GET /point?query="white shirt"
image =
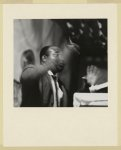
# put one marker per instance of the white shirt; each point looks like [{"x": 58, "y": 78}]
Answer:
[
  {"x": 94, "y": 88},
  {"x": 59, "y": 91}
]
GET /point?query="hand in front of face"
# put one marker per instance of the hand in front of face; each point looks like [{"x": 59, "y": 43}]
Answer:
[
  {"x": 50, "y": 64},
  {"x": 92, "y": 75}
]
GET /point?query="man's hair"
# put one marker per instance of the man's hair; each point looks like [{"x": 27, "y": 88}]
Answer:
[
  {"x": 29, "y": 55},
  {"x": 27, "y": 58},
  {"x": 44, "y": 51}
]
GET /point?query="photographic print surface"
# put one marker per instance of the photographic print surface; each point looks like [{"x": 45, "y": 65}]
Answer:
[{"x": 84, "y": 77}]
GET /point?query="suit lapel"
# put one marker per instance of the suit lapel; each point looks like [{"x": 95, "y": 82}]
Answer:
[{"x": 47, "y": 91}]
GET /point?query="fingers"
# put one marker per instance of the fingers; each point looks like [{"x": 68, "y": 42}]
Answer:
[
  {"x": 92, "y": 74},
  {"x": 95, "y": 70},
  {"x": 92, "y": 69},
  {"x": 88, "y": 69}
]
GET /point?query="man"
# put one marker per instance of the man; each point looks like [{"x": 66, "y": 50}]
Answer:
[
  {"x": 27, "y": 58},
  {"x": 40, "y": 86}
]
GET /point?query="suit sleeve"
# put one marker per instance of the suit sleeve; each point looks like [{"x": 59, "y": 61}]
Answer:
[{"x": 32, "y": 73}]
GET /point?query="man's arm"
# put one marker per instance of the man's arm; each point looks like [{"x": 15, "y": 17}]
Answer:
[{"x": 32, "y": 72}]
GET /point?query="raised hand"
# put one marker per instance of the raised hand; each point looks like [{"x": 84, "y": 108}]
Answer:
[{"x": 93, "y": 74}]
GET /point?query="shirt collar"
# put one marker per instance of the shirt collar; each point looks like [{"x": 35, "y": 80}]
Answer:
[{"x": 51, "y": 73}]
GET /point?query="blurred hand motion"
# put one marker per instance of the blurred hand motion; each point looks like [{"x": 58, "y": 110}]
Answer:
[
  {"x": 95, "y": 75},
  {"x": 92, "y": 75}
]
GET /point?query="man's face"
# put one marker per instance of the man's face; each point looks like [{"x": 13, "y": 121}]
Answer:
[{"x": 56, "y": 56}]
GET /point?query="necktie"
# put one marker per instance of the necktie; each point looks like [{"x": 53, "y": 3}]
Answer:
[{"x": 56, "y": 88}]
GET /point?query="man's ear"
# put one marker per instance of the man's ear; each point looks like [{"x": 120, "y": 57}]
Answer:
[{"x": 44, "y": 58}]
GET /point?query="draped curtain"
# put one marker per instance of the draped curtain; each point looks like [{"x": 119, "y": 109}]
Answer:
[{"x": 33, "y": 34}]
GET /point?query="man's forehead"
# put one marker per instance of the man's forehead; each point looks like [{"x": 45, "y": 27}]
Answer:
[{"x": 54, "y": 49}]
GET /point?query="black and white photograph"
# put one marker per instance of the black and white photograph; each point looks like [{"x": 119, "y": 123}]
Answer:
[
  {"x": 60, "y": 62},
  {"x": 60, "y": 75}
]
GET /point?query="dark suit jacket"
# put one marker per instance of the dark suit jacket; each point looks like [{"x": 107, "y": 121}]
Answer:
[{"x": 37, "y": 91}]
